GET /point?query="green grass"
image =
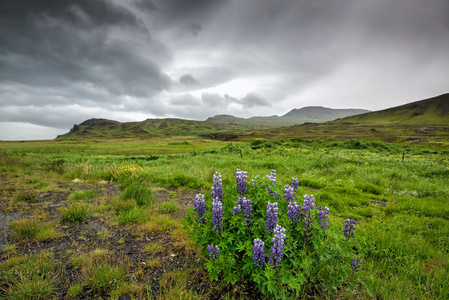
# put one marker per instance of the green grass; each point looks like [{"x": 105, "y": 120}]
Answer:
[
  {"x": 401, "y": 207},
  {"x": 33, "y": 277},
  {"x": 32, "y": 229},
  {"x": 76, "y": 212}
]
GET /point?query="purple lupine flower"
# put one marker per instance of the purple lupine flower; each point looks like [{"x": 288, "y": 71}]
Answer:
[
  {"x": 217, "y": 215},
  {"x": 349, "y": 228},
  {"x": 356, "y": 264},
  {"x": 217, "y": 188},
  {"x": 323, "y": 216},
  {"x": 309, "y": 203},
  {"x": 236, "y": 209},
  {"x": 272, "y": 217},
  {"x": 247, "y": 207},
  {"x": 295, "y": 183},
  {"x": 259, "y": 253},
  {"x": 214, "y": 251},
  {"x": 277, "y": 250},
  {"x": 289, "y": 193},
  {"x": 241, "y": 177},
  {"x": 294, "y": 212},
  {"x": 200, "y": 206},
  {"x": 272, "y": 177}
]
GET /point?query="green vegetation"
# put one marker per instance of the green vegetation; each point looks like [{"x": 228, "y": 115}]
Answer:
[
  {"x": 391, "y": 179},
  {"x": 76, "y": 212},
  {"x": 24, "y": 277}
]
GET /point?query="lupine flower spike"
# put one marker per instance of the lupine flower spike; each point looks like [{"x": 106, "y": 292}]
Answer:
[
  {"x": 214, "y": 251},
  {"x": 323, "y": 216},
  {"x": 272, "y": 217},
  {"x": 200, "y": 206},
  {"x": 217, "y": 188},
  {"x": 349, "y": 228},
  {"x": 294, "y": 212},
  {"x": 217, "y": 215},
  {"x": 289, "y": 193},
  {"x": 295, "y": 183},
  {"x": 241, "y": 177},
  {"x": 259, "y": 253},
  {"x": 277, "y": 251}
]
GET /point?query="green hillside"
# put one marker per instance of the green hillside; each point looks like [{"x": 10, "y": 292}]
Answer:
[{"x": 433, "y": 111}]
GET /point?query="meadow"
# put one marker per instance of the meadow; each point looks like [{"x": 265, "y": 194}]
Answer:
[{"x": 111, "y": 218}]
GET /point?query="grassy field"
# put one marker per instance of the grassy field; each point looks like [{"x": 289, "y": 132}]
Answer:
[{"x": 89, "y": 219}]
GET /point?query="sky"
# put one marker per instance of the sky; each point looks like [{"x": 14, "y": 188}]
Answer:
[{"x": 63, "y": 62}]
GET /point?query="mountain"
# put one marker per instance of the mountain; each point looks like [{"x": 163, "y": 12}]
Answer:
[
  {"x": 212, "y": 127},
  {"x": 432, "y": 111},
  {"x": 322, "y": 114},
  {"x": 315, "y": 114}
]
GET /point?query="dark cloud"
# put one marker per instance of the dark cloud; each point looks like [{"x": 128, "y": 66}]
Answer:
[
  {"x": 58, "y": 43},
  {"x": 253, "y": 100},
  {"x": 188, "y": 79}
]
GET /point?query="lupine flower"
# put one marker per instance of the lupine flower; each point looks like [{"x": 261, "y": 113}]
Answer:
[
  {"x": 236, "y": 209},
  {"x": 217, "y": 188},
  {"x": 241, "y": 177},
  {"x": 272, "y": 177},
  {"x": 356, "y": 264},
  {"x": 259, "y": 253},
  {"x": 349, "y": 228},
  {"x": 295, "y": 183},
  {"x": 200, "y": 206},
  {"x": 272, "y": 217},
  {"x": 277, "y": 251},
  {"x": 323, "y": 216},
  {"x": 247, "y": 207},
  {"x": 217, "y": 215},
  {"x": 289, "y": 193},
  {"x": 214, "y": 251},
  {"x": 309, "y": 203},
  {"x": 294, "y": 212}
]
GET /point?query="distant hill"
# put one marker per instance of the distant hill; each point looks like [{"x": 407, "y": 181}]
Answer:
[
  {"x": 432, "y": 111},
  {"x": 322, "y": 114},
  {"x": 217, "y": 125},
  {"x": 315, "y": 114}
]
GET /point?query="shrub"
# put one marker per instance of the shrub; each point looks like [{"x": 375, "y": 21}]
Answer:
[{"x": 285, "y": 248}]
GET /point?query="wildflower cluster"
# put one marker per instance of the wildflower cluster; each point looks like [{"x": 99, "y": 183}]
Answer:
[
  {"x": 217, "y": 188},
  {"x": 277, "y": 250},
  {"x": 349, "y": 228},
  {"x": 214, "y": 251},
  {"x": 294, "y": 212},
  {"x": 272, "y": 217},
  {"x": 241, "y": 177},
  {"x": 200, "y": 206},
  {"x": 217, "y": 215},
  {"x": 259, "y": 253},
  {"x": 308, "y": 246},
  {"x": 289, "y": 193}
]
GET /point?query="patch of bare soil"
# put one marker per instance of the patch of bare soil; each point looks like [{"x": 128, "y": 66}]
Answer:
[{"x": 122, "y": 241}]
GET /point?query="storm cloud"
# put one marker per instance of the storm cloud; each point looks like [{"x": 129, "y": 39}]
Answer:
[{"x": 62, "y": 61}]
